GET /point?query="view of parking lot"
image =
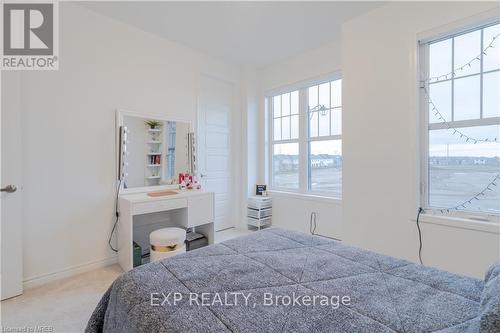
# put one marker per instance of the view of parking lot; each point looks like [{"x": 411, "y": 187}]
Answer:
[{"x": 452, "y": 180}]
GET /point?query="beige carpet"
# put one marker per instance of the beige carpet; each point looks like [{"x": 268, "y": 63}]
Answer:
[{"x": 67, "y": 304}]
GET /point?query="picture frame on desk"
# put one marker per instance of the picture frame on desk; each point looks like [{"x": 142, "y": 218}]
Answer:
[{"x": 260, "y": 189}]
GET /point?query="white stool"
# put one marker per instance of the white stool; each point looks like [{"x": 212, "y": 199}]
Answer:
[{"x": 166, "y": 242}]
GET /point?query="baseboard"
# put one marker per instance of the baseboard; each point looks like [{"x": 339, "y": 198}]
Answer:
[{"x": 42, "y": 279}]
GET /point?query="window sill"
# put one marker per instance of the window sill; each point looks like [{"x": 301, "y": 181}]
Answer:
[
  {"x": 461, "y": 223},
  {"x": 304, "y": 196}
]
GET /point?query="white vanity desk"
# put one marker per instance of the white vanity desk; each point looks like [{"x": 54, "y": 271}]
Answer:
[{"x": 140, "y": 214}]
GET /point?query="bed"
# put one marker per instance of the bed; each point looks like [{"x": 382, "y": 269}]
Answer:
[{"x": 251, "y": 284}]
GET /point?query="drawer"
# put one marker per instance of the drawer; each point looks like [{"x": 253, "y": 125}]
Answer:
[
  {"x": 201, "y": 210},
  {"x": 264, "y": 202},
  {"x": 259, "y": 222},
  {"x": 259, "y": 213},
  {"x": 158, "y": 206}
]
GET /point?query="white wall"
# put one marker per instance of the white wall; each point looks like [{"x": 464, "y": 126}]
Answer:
[
  {"x": 377, "y": 57},
  {"x": 380, "y": 139},
  {"x": 69, "y": 131},
  {"x": 293, "y": 211},
  {"x": 252, "y": 140},
  {"x": 309, "y": 65}
]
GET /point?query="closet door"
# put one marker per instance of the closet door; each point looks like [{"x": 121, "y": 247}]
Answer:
[{"x": 215, "y": 104}]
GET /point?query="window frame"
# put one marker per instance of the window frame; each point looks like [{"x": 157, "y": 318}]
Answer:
[
  {"x": 303, "y": 139},
  {"x": 425, "y": 127}
]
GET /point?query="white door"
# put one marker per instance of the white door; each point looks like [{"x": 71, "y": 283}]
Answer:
[
  {"x": 11, "y": 274},
  {"x": 215, "y": 103}
]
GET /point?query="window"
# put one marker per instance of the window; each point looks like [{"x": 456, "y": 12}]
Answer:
[
  {"x": 461, "y": 100},
  {"x": 285, "y": 110},
  {"x": 324, "y": 138},
  {"x": 306, "y": 142}
]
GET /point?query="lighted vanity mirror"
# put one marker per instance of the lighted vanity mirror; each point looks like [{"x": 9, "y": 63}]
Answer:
[{"x": 152, "y": 151}]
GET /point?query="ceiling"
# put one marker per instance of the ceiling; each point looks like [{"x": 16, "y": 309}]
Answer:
[{"x": 245, "y": 33}]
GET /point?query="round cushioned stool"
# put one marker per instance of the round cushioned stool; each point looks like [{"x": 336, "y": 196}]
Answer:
[{"x": 166, "y": 242}]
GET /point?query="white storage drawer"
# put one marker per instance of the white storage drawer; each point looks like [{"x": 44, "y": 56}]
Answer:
[
  {"x": 259, "y": 222},
  {"x": 256, "y": 202},
  {"x": 258, "y": 214},
  {"x": 158, "y": 206},
  {"x": 201, "y": 210}
]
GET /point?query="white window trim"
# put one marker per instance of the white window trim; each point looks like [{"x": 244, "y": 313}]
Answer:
[
  {"x": 303, "y": 140},
  {"x": 472, "y": 217}
]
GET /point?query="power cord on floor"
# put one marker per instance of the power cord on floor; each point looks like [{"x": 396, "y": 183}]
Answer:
[
  {"x": 420, "y": 210},
  {"x": 312, "y": 223},
  {"x": 117, "y": 215}
]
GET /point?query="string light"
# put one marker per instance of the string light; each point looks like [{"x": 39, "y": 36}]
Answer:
[
  {"x": 456, "y": 131},
  {"x": 478, "y": 196},
  {"x": 464, "y": 66}
]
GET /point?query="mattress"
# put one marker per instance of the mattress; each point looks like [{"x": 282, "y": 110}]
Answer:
[{"x": 277, "y": 280}]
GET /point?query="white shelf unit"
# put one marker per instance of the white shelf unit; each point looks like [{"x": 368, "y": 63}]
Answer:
[
  {"x": 259, "y": 211},
  {"x": 154, "y": 147}
]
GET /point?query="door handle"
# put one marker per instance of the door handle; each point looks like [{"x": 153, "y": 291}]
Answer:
[
  {"x": 9, "y": 189},
  {"x": 203, "y": 175}
]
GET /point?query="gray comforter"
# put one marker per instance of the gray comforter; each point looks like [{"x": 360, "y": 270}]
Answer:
[{"x": 277, "y": 280}]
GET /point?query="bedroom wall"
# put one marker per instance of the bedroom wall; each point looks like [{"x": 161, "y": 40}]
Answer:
[
  {"x": 380, "y": 140},
  {"x": 252, "y": 142},
  {"x": 69, "y": 132},
  {"x": 289, "y": 210}
]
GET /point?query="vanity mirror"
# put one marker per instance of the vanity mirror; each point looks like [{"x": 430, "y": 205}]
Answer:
[{"x": 152, "y": 151}]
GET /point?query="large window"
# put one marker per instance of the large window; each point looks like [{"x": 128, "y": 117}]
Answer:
[
  {"x": 324, "y": 138},
  {"x": 461, "y": 97},
  {"x": 285, "y": 110},
  {"x": 306, "y": 145}
]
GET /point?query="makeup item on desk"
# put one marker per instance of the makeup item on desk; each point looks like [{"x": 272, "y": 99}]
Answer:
[
  {"x": 196, "y": 183},
  {"x": 184, "y": 177}
]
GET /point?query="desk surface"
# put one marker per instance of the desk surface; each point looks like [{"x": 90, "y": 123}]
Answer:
[{"x": 143, "y": 197}]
